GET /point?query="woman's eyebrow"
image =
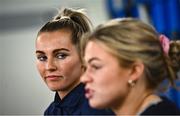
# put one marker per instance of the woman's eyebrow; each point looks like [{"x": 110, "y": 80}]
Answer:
[
  {"x": 92, "y": 59},
  {"x": 61, "y": 49},
  {"x": 39, "y": 51}
]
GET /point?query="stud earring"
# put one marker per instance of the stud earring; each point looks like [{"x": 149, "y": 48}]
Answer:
[{"x": 131, "y": 83}]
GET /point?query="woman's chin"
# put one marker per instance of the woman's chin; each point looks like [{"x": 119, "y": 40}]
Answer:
[
  {"x": 53, "y": 87},
  {"x": 97, "y": 105}
]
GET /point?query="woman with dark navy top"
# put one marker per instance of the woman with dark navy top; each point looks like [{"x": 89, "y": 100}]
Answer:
[{"x": 59, "y": 63}]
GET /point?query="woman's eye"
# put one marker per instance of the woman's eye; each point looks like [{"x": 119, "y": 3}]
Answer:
[
  {"x": 61, "y": 55},
  {"x": 95, "y": 67},
  {"x": 42, "y": 58}
]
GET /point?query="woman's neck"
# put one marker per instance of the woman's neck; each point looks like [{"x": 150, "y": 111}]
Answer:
[
  {"x": 134, "y": 105},
  {"x": 152, "y": 99},
  {"x": 135, "y": 101}
]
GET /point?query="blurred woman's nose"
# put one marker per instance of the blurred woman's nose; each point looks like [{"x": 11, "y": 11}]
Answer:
[
  {"x": 51, "y": 65},
  {"x": 86, "y": 78}
]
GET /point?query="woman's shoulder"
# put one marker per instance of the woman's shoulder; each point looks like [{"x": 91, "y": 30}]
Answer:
[{"x": 164, "y": 107}]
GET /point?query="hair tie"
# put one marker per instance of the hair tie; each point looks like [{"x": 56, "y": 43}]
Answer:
[
  {"x": 164, "y": 43},
  {"x": 65, "y": 17},
  {"x": 57, "y": 18}
]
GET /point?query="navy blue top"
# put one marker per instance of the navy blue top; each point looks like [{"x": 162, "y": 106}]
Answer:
[
  {"x": 74, "y": 103},
  {"x": 174, "y": 93},
  {"x": 164, "y": 107}
]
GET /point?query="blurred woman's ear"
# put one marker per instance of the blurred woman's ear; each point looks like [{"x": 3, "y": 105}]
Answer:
[{"x": 137, "y": 71}]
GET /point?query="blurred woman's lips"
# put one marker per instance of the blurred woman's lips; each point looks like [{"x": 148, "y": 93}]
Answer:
[{"x": 88, "y": 93}]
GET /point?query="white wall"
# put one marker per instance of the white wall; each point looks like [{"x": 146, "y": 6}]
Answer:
[
  {"x": 1, "y": 78},
  {"x": 22, "y": 92}
]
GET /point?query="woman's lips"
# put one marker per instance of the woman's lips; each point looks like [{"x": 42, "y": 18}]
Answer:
[
  {"x": 53, "y": 77},
  {"x": 89, "y": 93}
]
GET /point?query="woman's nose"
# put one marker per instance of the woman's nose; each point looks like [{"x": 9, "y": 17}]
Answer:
[
  {"x": 51, "y": 65},
  {"x": 86, "y": 78}
]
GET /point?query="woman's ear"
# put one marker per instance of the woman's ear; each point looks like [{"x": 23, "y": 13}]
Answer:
[{"x": 137, "y": 71}]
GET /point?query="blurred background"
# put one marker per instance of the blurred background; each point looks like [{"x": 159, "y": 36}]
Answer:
[{"x": 22, "y": 92}]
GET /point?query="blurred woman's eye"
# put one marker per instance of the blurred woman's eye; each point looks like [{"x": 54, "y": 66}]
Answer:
[
  {"x": 42, "y": 58},
  {"x": 95, "y": 67},
  {"x": 61, "y": 55}
]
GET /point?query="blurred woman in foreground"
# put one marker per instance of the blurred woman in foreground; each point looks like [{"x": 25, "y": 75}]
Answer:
[{"x": 125, "y": 63}]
